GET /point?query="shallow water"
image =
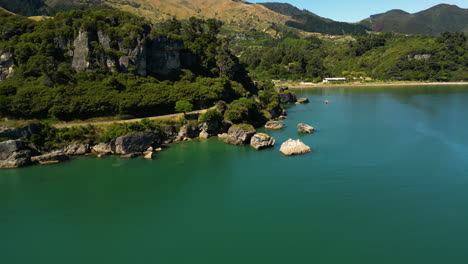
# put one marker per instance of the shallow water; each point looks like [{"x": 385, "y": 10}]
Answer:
[{"x": 387, "y": 183}]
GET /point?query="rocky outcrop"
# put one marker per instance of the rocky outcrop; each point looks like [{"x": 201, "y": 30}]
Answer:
[
  {"x": 240, "y": 134},
  {"x": 286, "y": 96},
  {"x": 302, "y": 101},
  {"x": 274, "y": 125},
  {"x": 261, "y": 140},
  {"x": 15, "y": 153},
  {"x": 303, "y": 128},
  {"x": 6, "y": 65},
  {"x": 134, "y": 143},
  {"x": 102, "y": 148},
  {"x": 188, "y": 132},
  {"x": 210, "y": 129},
  {"x": 50, "y": 158},
  {"x": 294, "y": 147},
  {"x": 82, "y": 51},
  {"x": 76, "y": 149},
  {"x": 21, "y": 132}
]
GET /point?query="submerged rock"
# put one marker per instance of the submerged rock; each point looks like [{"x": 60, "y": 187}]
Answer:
[
  {"x": 261, "y": 140},
  {"x": 303, "y": 128},
  {"x": 274, "y": 125},
  {"x": 294, "y": 147},
  {"x": 302, "y": 101},
  {"x": 240, "y": 134}
]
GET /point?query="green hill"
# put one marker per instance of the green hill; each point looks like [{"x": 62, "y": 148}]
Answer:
[
  {"x": 310, "y": 22},
  {"x": 433, "y": 21}
]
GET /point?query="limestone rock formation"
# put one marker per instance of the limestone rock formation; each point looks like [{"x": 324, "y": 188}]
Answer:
[
  {"x": 15, "y": 153},
  {"x": 21, "y": 132},
  {"x": 274, "y": 125},
  {"x": 261, "y": 140},
  {"x": 302, "y": 101},
  {"x": 134, "y": 143},
  {"x": 187, "y": 132},
  {"x": 6, "y": 64},
  {"x": 286, "y": 96},
  {"x": 303, "y": 128},
  {"x": 76, "y": 149},
  {"x": 294, "y": 147},
  {"x": 240, "y": 134},
  {"x": 49, "y": 158},
  {"x": 102, "y": 149}
]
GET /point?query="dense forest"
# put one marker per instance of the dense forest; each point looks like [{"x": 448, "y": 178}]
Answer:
[
  {"x": 46, "y": 83},
  {"x": 388, "y": 56}
]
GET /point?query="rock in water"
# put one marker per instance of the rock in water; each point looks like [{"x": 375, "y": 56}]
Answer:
[
  {"x": 148, "y": 155},
  {"x": 102, "y": 148},
  {"x": 76, "y": 149},
  {"x": 240, "y": 134},
  {"x": 302, "y": 101},
  {"x": 15, "y": 153},
  {"x": 261, "y": 140},
  {"x": 135, "y": 143},
  {"x": 294, "y": 147},
  {"x": 49, "y": 158},
  {"x": 274, "y": 125},
  {"x": 303, "y": 128}
]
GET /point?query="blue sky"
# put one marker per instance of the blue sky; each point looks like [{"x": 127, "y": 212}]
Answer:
[{"x": 356, "y": 10}]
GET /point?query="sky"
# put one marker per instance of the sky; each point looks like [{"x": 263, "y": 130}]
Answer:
[{"x": 357, "y": 10}]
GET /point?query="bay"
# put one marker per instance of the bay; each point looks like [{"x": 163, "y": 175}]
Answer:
[{"x": 386, "y": 183}]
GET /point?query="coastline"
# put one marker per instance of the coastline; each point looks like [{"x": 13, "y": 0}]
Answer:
[{"x": 375, "y": 84}]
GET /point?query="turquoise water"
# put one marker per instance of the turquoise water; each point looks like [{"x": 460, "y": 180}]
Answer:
[{"x": 387, "y": 183}]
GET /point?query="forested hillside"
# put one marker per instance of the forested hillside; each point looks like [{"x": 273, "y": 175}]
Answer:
[
  {"x": 84, "y": 64},
  {"x": 379, "y": 56},
  {"x": 310, "y": 22}
]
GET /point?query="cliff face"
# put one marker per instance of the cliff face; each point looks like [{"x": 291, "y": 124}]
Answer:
[
  {"x": 158, "y": 55},
  {"x": 6, "y": 64}
]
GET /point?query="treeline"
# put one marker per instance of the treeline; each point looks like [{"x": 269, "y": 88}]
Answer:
[
  {"x": 386, "y": 56},
  {"x": 46, "y": 86}
]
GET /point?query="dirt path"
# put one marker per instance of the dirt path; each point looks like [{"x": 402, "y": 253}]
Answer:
[{"x": 125, "y": 121}]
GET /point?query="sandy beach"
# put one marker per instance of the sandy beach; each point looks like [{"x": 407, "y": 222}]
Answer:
[{"x": 374, "y": 84}]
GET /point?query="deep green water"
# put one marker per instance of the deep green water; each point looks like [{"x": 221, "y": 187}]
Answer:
[{"x": 387, "y": 183}]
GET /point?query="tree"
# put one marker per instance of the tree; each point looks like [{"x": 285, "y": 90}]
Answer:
[{"x": 183, "y": 106}]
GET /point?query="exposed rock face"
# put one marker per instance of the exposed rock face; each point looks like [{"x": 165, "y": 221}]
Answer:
[
  {"x": 82, "y": 52},
  {"x": 76, "y": 149},
  {"x": 21, "y": 132},
  {"x": 187, "y": 132},
  {"x": 209, "y": 129},
  {"x": 6, "y": 64},
  {"x": 134, "y": 143},
  {"x": 15, "y": 153},
  {"x": 102, "y": 148},
  {"x": 170, "y": 133},
  {"x": 419, "y": 56},
  {"x": 53, "y": 157},
  {"x": 286, "y": 96},
  {"x": 302, "y": 101},
  {"x": 274, "y": 125},
  {"x": 303, "y": 128},
  {"x": 260, "y": 141},
  {"x": 240, "y": 134},
  {"x": 294, "y": 147}
]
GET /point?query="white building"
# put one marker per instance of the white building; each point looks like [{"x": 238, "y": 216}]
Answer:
[{"x": 326, "y": 80}]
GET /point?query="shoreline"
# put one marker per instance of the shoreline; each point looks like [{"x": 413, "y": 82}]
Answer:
[{"x": 376, "y": 84}]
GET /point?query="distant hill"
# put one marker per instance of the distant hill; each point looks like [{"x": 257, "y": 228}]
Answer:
[
  {"x": 310, "y": 22},
  {"x": 433, "y": 21}
]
